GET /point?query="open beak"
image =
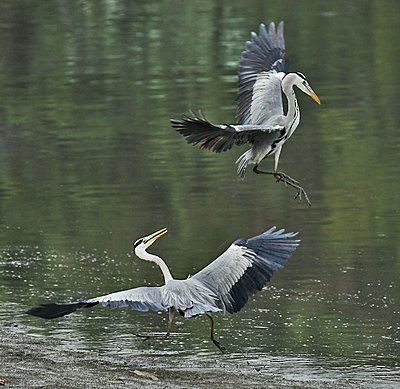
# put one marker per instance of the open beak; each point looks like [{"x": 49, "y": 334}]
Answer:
[{"x": 153, "y": 237}]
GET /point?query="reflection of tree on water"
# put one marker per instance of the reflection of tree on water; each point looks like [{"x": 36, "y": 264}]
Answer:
[{"x": 93, "y": 161}]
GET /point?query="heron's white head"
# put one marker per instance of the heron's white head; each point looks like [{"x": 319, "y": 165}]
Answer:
[
  {"x": 300, "y": 81},
  {"x": 140, "y": 246}
]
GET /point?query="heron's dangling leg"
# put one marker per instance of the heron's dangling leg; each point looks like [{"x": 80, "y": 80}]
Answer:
[
  {"x": 287, "y": 180},
  {"x": 218, "y": 344}
]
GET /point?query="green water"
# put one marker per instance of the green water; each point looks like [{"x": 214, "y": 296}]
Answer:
[{"x": 89, "y": 163}]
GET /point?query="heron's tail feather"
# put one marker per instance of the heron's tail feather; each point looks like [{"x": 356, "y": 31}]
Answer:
[
  {"x": 242, "y": 163},
  {"x": 51, "y": 311}
]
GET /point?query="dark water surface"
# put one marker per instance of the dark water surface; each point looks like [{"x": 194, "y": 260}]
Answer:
[{"x": 89, "y": 163}]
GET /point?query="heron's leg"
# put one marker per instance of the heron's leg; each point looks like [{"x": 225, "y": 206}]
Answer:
[
  {"x": 277, "y": 155},
  {"x": 218, "y": 344},
  {"x": 171, "y": 314},
  {"x": 287, "y": 180},
  {"x": 279, "y": 176}
]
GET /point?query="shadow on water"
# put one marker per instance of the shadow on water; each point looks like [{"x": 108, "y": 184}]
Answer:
[{"x": 89, "y": 163}]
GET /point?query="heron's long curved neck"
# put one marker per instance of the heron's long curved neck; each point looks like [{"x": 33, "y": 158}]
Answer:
[
  {"x": 163, "y": 266},
  {"x": 293, "y": 113}
]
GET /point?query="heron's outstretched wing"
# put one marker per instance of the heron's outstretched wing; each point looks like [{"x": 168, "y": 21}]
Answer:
[
  {"x": 144, "y": 298},
  {"x": 141, "y": 299},
  {"x": 262, "y": 66},
  {"x": 246, "y": 266},
  {"x": 218, "y": 137}
]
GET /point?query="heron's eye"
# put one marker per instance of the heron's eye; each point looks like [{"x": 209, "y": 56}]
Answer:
[{"x": 137, "y": 243}]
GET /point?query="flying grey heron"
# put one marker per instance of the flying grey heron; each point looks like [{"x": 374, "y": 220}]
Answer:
[
  {"x": 259, "y": 114},
  {"x": 223, "y": 286}
]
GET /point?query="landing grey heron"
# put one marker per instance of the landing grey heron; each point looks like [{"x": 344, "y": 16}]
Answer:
[
  {"x": 223, "y": 286},
  {"x": 259, "y": 114}
]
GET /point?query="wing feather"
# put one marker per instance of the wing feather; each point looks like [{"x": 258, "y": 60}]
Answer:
[
  {"x": 198, "y": 130},
  {"x": 141, "y": 299},
  {"x": 246, "y": 266},
  {"x": 262, "y": 66}
]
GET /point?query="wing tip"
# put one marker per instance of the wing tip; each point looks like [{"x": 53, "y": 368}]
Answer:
[
  {"x": 274, "y": 236},
  {"x": 280, "y": 232},
  {"x": 54, "y": 310}
]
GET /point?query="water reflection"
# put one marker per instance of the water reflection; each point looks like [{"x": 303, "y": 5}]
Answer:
[{"x": 89, "y": 163}]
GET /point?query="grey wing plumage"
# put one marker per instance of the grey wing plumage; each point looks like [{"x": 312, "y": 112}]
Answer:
[
  {"x": 214, "y": 137},
  {"x": 246, "y": 266},
  {"x": 262, "y": 66},
  {"x": 141, "y": 299},
  {"x": 144, "y": 298},
  {"x": 198, "y": 130}
]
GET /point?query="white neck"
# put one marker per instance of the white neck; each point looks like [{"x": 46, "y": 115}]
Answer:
[
  {"x": 143, "y": 254},
  {"x": 293, "y": 112}
]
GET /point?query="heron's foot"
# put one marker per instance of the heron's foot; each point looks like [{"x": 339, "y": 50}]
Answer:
[
  {"x": 280, "y": 176},
  {"x": 299, "y": 195},
  {"x": 149, "y": 337},
  {"x": 144, "y": 337},
  {"x": 219, "y": 345},
  {"x": 288, "y": 181}
]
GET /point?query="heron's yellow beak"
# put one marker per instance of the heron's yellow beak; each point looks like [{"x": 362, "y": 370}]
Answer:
[
  {"x": 315, "y": 97},
  {"x": 153, "y": 237}
]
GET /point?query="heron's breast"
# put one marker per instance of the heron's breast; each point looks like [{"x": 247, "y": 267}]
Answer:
[{"x": 268, "y": 145}]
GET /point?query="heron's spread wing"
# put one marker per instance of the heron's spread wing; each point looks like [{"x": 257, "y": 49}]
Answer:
[
  {"x": 141, "y": 299},
  {"x": 262, "y": 66},
  {"x": 246, "y": 266},
  {"x": 219, "y": 137},
  {"x": 145, "y": 298}
]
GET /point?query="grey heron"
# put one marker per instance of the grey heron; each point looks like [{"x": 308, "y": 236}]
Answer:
[
  {"x": 259, "y": 115},
  {"x": 223, "y": 286}
]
